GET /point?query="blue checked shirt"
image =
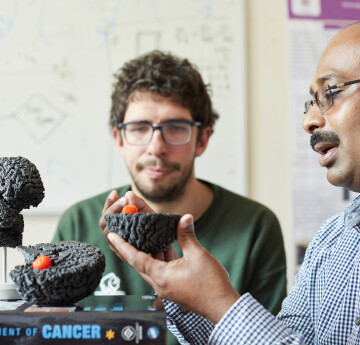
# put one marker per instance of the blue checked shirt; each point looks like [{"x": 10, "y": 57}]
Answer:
[{"x": 323, "y": 307}]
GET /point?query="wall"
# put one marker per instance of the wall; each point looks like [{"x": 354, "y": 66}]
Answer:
[
  {"x": 268, "y": 121},
  {"x": 268, "y": 127}
]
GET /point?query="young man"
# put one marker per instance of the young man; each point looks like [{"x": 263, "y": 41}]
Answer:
[
  {"x": 324, "y": 305},
  {"x": 161, "y": 119}
]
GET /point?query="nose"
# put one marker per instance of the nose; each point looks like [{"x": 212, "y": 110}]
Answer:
[
  {"x": 313, "y": 120},
  {"x": 157, "y": 146}
]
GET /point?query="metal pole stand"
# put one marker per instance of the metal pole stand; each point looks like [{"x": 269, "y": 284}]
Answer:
[{"x": 7, "y": 290}]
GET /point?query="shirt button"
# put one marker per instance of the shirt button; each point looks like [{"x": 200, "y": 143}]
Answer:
[{"x": 357, "y": 321}]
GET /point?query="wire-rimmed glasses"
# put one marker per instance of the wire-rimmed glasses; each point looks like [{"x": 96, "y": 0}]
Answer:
[{"x": 324, "y": 97}]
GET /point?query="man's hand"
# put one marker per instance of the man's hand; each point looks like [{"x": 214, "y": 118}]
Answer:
[
  {"x": 197, "y": 281},
  {"x": 115, "y": 205}
]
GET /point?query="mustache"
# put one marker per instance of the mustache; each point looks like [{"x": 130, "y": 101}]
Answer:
[
  {"x": 159, "y": 163},
  {"x": 323, "y": 137}
]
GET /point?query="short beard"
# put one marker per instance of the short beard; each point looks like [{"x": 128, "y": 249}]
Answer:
[{"x": 165, "y": 194}]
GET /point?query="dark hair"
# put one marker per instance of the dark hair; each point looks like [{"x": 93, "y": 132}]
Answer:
[{"x": 167, "y": 75}]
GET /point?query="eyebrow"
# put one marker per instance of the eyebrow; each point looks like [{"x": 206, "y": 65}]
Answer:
[{"x": 323, "y": 79}]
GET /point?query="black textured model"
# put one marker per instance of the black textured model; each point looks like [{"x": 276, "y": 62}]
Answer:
[
  {"x": 75, "y": 273},
  {"x": 20, "y": 187},
  {"x": 149, "y": 232}
]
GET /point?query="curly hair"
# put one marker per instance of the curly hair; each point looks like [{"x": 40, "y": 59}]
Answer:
[{"x": 168, "y": 76}]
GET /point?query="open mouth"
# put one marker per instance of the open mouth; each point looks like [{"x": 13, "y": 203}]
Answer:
[
  {"x": 327, "y": 144},
  {"x": 327, "y": 152},
  {"x": 325, "y": 148}
]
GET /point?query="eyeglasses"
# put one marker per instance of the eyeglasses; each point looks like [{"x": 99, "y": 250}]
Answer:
[
  {"x": 324, "y": 97},
  {"x": 174, "y": 132}
]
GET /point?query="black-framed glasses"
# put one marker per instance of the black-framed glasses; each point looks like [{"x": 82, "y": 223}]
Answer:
[
  {"x": 324, "y": 97},
  {"x": 173, "y": 132}
]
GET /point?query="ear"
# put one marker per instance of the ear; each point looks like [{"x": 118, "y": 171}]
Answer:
[
  {"x": 203, "y": 141},
  {"x": 117, "y": 137}
]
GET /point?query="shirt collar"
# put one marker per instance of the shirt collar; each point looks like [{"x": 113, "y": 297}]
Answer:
[{"x": 352, "y": 213}]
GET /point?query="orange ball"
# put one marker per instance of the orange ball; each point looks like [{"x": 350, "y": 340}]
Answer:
[
  {"x": 129, "y": 209},
  {"x": 41, "y": 262}
]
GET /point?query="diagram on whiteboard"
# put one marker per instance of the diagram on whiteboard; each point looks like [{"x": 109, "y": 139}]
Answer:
[{"x": 39, "y": 117}]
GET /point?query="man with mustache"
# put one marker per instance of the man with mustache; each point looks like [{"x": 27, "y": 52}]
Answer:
[
  {"x": 161, "y": 119},
  {"x": 323, "y": 307}
]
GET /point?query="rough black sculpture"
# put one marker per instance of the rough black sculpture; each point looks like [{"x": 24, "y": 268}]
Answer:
[
  {"x": 20, "y": 188},
  {"x": 75, "y": 273},
  {"x": 149, "y": 232}
]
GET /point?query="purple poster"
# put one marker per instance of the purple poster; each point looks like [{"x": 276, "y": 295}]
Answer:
[{"x": 325, "y": 9}]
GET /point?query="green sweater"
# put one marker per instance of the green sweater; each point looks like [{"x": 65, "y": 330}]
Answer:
[{"x": 242, "y": 234}]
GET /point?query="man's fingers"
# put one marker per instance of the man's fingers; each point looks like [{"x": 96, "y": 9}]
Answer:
[
  {"x": 105, "y": 231},
  {"x": 111, "y": 206},
  {"x": 117, "y": 206},
  {"x": 170, "y": 254},
  {"x": 113, "y": 196},
  {"x": 159, "y": 256},
  {"x": 186, "y": 234},
  {"x": 139, "y": 260},
  {"x": 133, "y": 199}
]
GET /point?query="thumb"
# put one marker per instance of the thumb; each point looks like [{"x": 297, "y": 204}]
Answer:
[{"x": 186, "y": 233}]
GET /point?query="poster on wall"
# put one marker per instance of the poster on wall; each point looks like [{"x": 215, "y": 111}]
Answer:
[{"x": 311, "y": 24}]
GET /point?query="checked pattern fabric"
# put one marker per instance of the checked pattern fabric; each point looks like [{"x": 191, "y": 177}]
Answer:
[{"x": 322, "y": 308}]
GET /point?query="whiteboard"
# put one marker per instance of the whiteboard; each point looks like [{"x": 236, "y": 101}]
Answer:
[{"x": 57, "y": 60}]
